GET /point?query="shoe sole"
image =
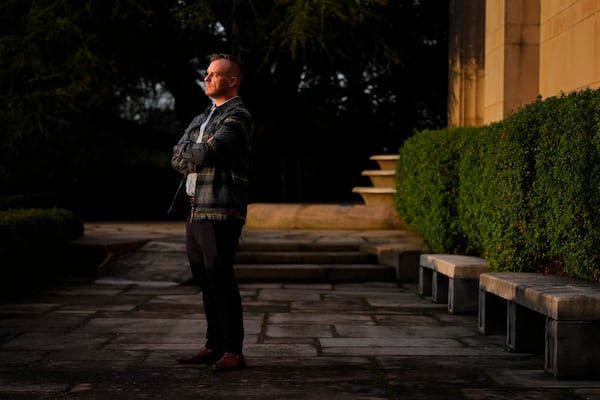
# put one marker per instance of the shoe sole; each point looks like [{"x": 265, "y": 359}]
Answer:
[
  {"x": 202, "y": 361},
  {"x": 232, "y": 368}
]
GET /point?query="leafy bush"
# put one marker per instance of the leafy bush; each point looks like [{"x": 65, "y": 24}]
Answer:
[
  {"x": 427, "y": 185},
  {"x": 32, "y": 243},
  {"x": 522, "y": 192},
  {"x": 34, "y": 200}
]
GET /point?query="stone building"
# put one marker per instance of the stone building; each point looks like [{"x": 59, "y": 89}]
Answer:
[{"x": 505, "y": 53}]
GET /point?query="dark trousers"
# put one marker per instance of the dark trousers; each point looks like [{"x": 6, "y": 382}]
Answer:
[{"x": 211, "y": 248}]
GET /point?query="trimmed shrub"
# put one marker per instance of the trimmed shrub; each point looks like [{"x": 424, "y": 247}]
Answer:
[
  {"x": 427, "y": 188},
  {"x": 33, "y": 243},
  {"x": 524, "y": 192}
]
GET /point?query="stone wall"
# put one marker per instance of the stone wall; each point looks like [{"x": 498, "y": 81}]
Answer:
[{"x": 531, "y": 48}]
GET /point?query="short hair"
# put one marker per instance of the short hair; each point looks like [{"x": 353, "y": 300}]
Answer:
[{"x": 237, "y": 62}]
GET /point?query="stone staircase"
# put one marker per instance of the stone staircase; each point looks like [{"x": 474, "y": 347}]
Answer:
[
  {"x": 383, "y": 180},
  {"x": 290, "y": 242},
  {"x": 272, "y": 255},
  {"x": 308, "y": 257}
]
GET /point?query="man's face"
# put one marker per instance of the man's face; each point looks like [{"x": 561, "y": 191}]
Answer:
[{"x": 218, "y": 79}]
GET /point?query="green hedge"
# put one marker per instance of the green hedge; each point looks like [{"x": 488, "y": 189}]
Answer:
[
  {"x": 33, "y": 244},
  {"x": 429, "y": 167},
  {"x": 24, "y": 227},
  {"x": 522, "y": 192}
]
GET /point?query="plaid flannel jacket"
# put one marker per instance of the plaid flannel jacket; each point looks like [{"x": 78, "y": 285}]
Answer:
[{"x": 221, "y": 160}]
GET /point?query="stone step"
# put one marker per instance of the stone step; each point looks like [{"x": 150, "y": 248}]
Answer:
[
  {"x": 274, "y": 245},
  {"x": 374, "y": 190},
  {"x": 386, "y": 161},
  {"x": 293, "y": 260},
  {"x": 155, "y": 251},
  {"x": 315, "y": 273},
  {"x": 304, "y": 257},
  {"x": 381, "y": 177},
  {"x": 276, "y": 257},
  {"x": 376, "y": 196}
]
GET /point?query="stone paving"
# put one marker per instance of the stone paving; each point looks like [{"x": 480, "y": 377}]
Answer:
[{"x": 97, "y": 339}]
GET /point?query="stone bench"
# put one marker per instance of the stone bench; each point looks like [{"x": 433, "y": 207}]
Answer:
[
  {"x": 545, "y": 313},
  {"x": 452, "y": 279}
]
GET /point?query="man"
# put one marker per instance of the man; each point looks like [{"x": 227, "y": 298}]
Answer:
[{"x": 213, "y": 154}]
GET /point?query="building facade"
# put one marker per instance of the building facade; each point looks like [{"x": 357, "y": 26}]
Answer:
[{"x": 503, "y": 54}]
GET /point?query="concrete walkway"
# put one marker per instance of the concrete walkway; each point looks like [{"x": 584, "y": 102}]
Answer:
[{"x": 114, "y": 338}]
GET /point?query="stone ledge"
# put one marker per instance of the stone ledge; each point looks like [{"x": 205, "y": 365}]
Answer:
[
  {"x": 381, "y": 178},
  {"x": 322, "y": 216},
  {"x": 386, "y": 161},
  {"x": 375, "y": 196}
]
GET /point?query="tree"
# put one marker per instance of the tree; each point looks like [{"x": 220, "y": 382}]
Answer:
[{"x": 329, "y": 83}]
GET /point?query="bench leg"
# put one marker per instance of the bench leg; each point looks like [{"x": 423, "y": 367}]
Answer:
[
  {"x": 440, "y": 288},
  {"x": 425, "y": 280},
  {"x": 525, "y": 331},
  {"x": 463, "y": 296},
  {"x": 492, "y": 317},
  {"x": 407, "y": 269},
  {"x": 572, "y": 349}
]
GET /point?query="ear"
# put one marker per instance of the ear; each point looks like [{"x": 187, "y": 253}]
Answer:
[{"x": 232, "y": 81}]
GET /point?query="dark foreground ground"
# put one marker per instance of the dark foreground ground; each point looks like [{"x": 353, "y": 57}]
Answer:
[{"x": 114, "y": 338}]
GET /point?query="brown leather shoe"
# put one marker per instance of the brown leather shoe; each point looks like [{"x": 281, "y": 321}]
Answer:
[
  {"x": 204, "y": 356},
  {"x": 229, "y": 361}
]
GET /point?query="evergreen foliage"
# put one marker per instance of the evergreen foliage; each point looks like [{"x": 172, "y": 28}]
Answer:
[
  {"x": 102, "y": 89},
  {"x": 524, "y": 193}
]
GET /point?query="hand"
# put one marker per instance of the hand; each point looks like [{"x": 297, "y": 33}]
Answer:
[{"x": 177, "y": 150}]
